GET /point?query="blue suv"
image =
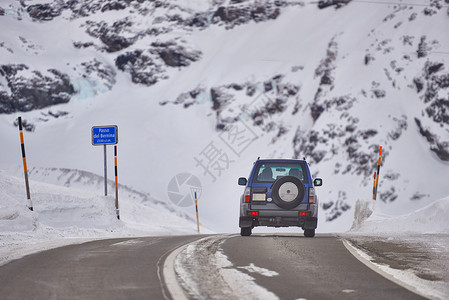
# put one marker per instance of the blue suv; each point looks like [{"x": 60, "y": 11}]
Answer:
[{"x": 279, "y": 193}]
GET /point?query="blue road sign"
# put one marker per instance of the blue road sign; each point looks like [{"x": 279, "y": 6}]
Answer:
[{"x": 104, "y": 135}]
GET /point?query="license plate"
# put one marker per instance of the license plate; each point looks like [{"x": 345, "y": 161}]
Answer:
[{"x": 259, "y": 197}]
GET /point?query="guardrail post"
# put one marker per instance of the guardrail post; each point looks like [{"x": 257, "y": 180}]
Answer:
[
  {"x": 116, "y": 184},
  {"x": 25, "y": 170},
  {"x": 197, "y": 218},
  {"x": 376, "y": 176}
]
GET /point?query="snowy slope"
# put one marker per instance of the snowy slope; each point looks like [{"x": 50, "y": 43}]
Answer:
[
  {"x": 272, "y": 79},
  {"x": 72, "y": 210},
  {"x": 65, "y": 215}
]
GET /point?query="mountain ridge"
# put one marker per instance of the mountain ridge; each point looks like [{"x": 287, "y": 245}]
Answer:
[{"x": 285, "y": 77}]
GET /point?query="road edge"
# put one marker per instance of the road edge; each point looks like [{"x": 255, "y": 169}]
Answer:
[
  {"x": 363, "y": 258},
  {"x": 172, "y": 285}
]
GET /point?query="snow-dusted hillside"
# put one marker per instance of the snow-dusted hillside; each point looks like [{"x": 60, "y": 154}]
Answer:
[{"x": 206, "y": 87}]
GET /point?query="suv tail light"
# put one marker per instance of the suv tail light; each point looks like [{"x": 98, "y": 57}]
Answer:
[
  {"x": 311, "y": 195},
  {"x": 247, "y": 195}
]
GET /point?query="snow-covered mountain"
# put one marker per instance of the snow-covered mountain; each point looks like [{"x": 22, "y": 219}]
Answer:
[{"x": 200, "y": 89}]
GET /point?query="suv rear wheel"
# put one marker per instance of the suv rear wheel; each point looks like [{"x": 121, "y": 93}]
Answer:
[
  {"x": 309, "y": 232},
  {"x": 245, "y": 231}
]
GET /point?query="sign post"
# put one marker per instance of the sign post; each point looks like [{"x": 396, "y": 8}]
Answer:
[
  {"x": 105, "y": 172},
  {"x": 105, "y": 135}
]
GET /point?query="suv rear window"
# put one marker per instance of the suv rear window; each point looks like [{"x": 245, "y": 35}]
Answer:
[{"x": 269, "y": 172}]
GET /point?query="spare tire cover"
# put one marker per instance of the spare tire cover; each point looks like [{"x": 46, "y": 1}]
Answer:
[{"x": 288, "y": 192}]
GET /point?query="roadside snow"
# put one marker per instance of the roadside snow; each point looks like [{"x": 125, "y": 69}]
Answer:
[
  {"x": 203, "y": 260},
  {"x": 410, "y": 249},
  {"x": 409, "y": 262},
  {"x": 432, "y": 218},
  {"x": 64, "y": 216},
  {"x": 262, "y": 271}
]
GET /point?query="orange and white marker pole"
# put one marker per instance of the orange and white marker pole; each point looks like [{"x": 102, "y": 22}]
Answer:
[
  {"x": 116, "y": 184},
  {"x": 197, "y": 218},
  {"x": 25, "y": 170},
  {"x": 376, "y": 175}
]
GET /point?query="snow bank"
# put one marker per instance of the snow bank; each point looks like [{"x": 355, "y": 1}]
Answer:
[
  {"x": 55, "y": 207},
  {"x": 64, "y": 215},
  {"x": 430, "y": 219}
]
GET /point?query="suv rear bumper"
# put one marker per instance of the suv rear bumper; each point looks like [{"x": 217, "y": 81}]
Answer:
[{"x": 279, "y": 220}]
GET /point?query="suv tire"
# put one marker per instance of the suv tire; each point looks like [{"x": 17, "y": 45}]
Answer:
[
  {"x": 309, "y": 233},
  {"x": 245, "y": 231},
  {"x": 288, "y": 192}
]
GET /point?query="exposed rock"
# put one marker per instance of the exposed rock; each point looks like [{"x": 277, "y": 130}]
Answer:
[
  {"x": 429, "y": 11},
  {"x": 412, "y": 16},
  {"x": 142, "y": 68},
  {"x": 175, "y": 55},
  {"x": 25, "y": 125},
  {"x": 340, "y": 104},
  {"x": 219, "y": 98},
  {"x": 337, "y": 3},
  {"x": 369, "y": 58},
  {"x": 419, "y": 84},
  {"x": 116, "y": 43},
  {"x": 439, "y": 111},
  {"x": 402, "y": 126},
  {"x": 327, "y": 205},
  {"x": 116, "y": 5},
  {"x": 442, "y": 81},
  {"x": 270, "y": 108},
  {"x": 336, "y": 209},
  {"x": 80, "y": 45},
  {"x": 339, "y": 138},
  {"x": 232, "y": 16},
  {"x": 316, "y": 110},
  {"x": 327, "y": 78},
  {"x": 147, "y": 67},
  {"x": 436, "y": 111},
  {"x": 423, "y": 49},
  {"x": 431, "y": 68},
  {"x": 324, "y": 70},
  {"x": 388, "y": 196},
  {"x": 379, "y": 93},
  {"x": 441, "y": 149},
  {"x": 57, "y": 114},
  {"x": 250, "y": 90},
  {"x": 272, "y": 99},
  {"x": 418, "y": 196},
  {"x": 33, "y": 90},
  {"x": 105, "y": 73},
  {"x": 305, "y": 145},
  {"x": 43, "y": 12},
  {"x": 112, "y": 36},
  {"x": 327, "y": 64}
]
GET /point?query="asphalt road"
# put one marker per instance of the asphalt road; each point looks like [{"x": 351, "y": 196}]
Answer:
[
  {"x": 107, "y": 269},
  {"x": 311, "y": 268},
  {"x": 318, "y": 268}
]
